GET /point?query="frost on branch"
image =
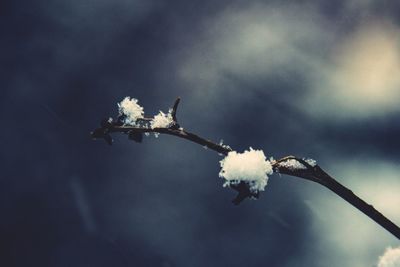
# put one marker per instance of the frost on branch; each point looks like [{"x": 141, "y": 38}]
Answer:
[
  {"x": 162, "y": 120},
  {"x": 296, "y": 164},
  {"x": 221, "y": 143},
  {"x": 391, "y": 258},
  {"x": 292, "y": 164},
  {"x": 248, "y": 170},
  {"x": 312, "y": 162},
  {"x": 131, "y": 110}
]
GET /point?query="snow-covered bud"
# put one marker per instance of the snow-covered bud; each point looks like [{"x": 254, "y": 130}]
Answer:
[
  {"x": 162, "y": 120},
  {"x": 131, "y": 109},
  {"x": 251, "y": 167}
]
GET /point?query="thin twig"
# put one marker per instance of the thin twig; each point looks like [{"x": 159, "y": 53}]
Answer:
[
  {"x": 174, "y": 109},
  {"x": 310, "y": 172}
]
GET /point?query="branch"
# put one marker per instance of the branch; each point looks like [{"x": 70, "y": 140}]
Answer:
[
  {"x": 305, "y": 169},
  {"x": 174, "y": 109}
]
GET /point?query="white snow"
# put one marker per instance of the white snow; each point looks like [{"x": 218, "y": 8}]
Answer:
[
  {"x": 162, "y": 120},
  {"x": 312, "y": 162},
  {"x": 131, "y": 109},
  {"x": 226, "y": 146},
  {"x": 221, "y": 143},
  {"x": 292, "y": 164},
  {"x": 250, "y": 166},
  {"x": 391, "y": 258}
]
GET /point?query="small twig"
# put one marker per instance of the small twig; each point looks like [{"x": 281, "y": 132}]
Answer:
[
  {"x": 309, "y": 172},
  {"x": 174, "y": 109}
]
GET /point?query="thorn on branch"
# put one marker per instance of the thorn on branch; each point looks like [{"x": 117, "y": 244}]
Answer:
[
  {"x": 244, "y": 192},
  {"x": 174, "y": 109},
  {"x": 103, "y": 131},
  {"x": 106, "y": 123}
]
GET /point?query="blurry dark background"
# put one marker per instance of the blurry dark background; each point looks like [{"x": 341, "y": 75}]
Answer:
[{"x": 315, "y": 78}]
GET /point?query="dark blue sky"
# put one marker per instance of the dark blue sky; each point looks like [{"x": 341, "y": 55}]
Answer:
[{"x": 315, "y": 79}]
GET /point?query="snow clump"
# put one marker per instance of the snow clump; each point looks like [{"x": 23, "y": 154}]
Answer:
[
  {"x": 162, "y": 120},
  {"x": 391, "y": 258},
  {"x": 250, "y": 166},
  {"x": 131, "y": 109}
]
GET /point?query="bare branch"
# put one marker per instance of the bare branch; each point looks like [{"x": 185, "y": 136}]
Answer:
[
  {"x": 316, "y": 174},
  {"x": 310, "y": 172}
]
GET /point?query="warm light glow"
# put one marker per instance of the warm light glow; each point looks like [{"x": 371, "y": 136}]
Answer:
[{"x": 368, "y": 66}]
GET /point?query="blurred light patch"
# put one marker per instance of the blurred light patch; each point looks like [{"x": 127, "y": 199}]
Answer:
[
  {"x": 363, "y": 77},
  {"x": 253, "y": 43},
  {"x": 337, "y": 74},
  {"x": 391, "y": 258}
]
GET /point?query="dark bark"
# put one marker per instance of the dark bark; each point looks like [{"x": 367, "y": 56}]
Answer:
[{"x": 309, "y": 172}]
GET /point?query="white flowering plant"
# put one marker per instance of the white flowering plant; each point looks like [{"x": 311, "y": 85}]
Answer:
[{"x": 245, "y": 172}]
